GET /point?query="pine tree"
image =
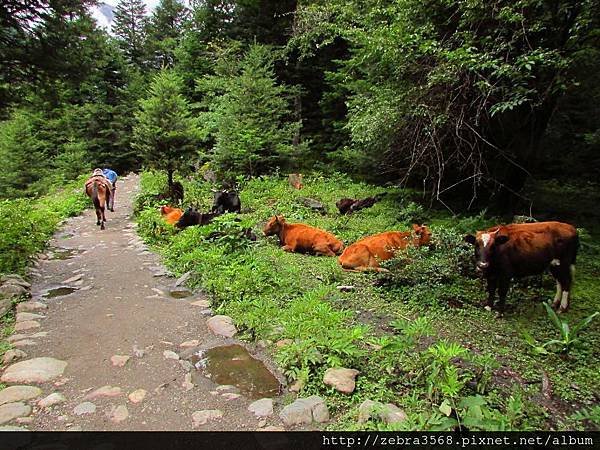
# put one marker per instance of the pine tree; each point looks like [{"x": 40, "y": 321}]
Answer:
[
  {"x": 164, "y": 31},
  {"x": 165, "y": 133},
  {"x": 130, "y": 26}
]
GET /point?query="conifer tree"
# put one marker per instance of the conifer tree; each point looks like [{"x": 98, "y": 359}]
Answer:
[{"x": 130, "y": 27}]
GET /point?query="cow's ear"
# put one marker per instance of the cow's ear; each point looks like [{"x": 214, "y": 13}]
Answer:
[
  {"x": 469, "y": 238},
  {"x": 416, "y": 227},
  {"x": 502, "y": 239}
]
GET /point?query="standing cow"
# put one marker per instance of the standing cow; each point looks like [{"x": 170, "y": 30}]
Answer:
[{"x": 520, "y": 250}]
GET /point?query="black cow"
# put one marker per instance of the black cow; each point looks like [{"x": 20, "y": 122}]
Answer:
[
  {"x": 192, "y": 216},
  {"x": 226, "y": 201},
  {"x": 350, "y": 205}
]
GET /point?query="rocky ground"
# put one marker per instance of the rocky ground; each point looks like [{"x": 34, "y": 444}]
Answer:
[{"x": 108, "y": 342}]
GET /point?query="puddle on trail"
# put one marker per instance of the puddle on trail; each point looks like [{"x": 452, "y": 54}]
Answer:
[
  {"x": 63, "y": 253},
  {"x": 180, "y": 294},
  {"x": 59, "y": 291},
  {"x": 232, "y": 364}
]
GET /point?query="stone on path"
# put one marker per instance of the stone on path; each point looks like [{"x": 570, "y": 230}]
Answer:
[
  {"x": 12, "y": 428},
  {"x": 11, "y": 411},
  {"x": 36, "y": 370},
  {"x": 262, "y": 407},
  {"x": 138, "y": 352},
  {"x": 187, "y": 382},
  {"x": 118, "y": 414},
  {"x": 170, "y": 354},
  {"x": 201, "y": 303},
  {"x": 388, "y": 413},
  {"x": 192, "y": 343},
  {"x": 137, "y": 396},
  {"x": 305, "y": 411},
  {"x": 227, "y": 387},
  {"x": 10, "y": 290},
  {"x": 5, "y": 306},
  {"x": 26, "y": 325},
  {"x": 84, "y": 408},
  {"x": 231, "y": 395},
  {"x": 31, "y": 306},
  {"x": 222, "y": 326},
  {"x": 24, "y": 343},
  {"x": 341, "y": 379},
  {"x": 272, "y": 428},
  {"x": 13, "y": 394},
  {"x": 12, "y": 355},
  {"x": 183, "y": 278},
  {"x": 119, "y": 360},
  {"x": 23, "y": 316},
  {"x": 73, "y": 279},
  {"x": 53, "y": 399},
  {"x": 202, "y": 417},
  {"x": 104, "y": 391}
]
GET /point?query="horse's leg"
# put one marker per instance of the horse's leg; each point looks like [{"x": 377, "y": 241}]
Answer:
[
  {"x": 103, "y": 218},
  {"x": 98, "y": 216}
]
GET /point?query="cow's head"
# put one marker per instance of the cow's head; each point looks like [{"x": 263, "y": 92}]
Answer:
[
  {"x": 345, "y": 204},
  {"x": 165, "y": 209},
  {"x": 422, "y": 234},
  {"x": 486, "y": 245},
  {"x": 274, "y": 225}
]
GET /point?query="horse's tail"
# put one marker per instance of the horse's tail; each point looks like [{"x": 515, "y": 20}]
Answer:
[{"x": 95, "y": 197}]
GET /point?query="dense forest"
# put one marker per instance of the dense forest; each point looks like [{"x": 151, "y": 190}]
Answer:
[
  {"x": 456, "y": 114},
  {"x": 464, "y": 100}
]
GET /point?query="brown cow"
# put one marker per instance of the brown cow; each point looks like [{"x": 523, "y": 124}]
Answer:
[
  {"x": 519, "y": 250},
  {"x": 365, "y": 254},
  {"x": 297, "y": 237},
  {"x": 171, "y": 215}
]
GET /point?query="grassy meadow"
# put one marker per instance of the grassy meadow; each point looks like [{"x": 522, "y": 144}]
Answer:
[{"x": 418, "y": 334}]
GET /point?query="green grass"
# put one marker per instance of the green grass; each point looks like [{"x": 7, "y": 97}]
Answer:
[
  {"x": 26, "y": 225},
  {"x": 375, "y": 328}
]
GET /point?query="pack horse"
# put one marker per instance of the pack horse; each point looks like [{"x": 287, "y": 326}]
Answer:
[{"x": 99, "y": 189}]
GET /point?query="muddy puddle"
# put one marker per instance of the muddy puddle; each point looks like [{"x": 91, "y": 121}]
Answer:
[
  {"x": 63, "y": 253},
  {"x": 233, "y": 365},
  {"x": 58, "y": 291}
]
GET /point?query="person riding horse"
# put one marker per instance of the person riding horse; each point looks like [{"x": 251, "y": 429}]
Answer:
[{"x": 111, "y": 176}]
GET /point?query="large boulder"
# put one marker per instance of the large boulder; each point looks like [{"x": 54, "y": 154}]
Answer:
[
  {"x": 36, "y": 370},
  {"x": 341, "y": 379},
  {"x": 305, "y": 411},
  {"x": 9, "y": 290},
  {"x": 222, "y": 326}
]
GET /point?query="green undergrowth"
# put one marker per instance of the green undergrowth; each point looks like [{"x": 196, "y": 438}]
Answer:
[
  {"x": 26, "y": 224},
  {"x": 417, "y": 334}
]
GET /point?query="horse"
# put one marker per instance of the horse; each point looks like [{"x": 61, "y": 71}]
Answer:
[{"x": 98, "y": 188}]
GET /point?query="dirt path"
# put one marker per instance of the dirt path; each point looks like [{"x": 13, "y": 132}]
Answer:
[{"x": 120, "y": 308}]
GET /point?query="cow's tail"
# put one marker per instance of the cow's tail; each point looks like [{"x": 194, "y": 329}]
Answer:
[{"x": 95, "y": 197}]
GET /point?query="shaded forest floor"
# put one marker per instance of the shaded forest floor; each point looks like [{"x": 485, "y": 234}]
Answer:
[{"x": 397, "y": 329}]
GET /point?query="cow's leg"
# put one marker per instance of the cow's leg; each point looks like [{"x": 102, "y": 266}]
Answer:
[
  {"x": 492, "y": 284},
  {"x": 566, "y": 280},
  {"x": 555, "y": 270},
  {"x": 503, "y": 285},
  {"x": 323, "y": 250},
  {"x": 287, "y": 248}
]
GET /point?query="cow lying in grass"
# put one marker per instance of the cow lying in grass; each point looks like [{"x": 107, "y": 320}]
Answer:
[
  {"x": 170, "y": 215},
  {"x": 519, "y": 250},
  {"x": 350, "y": 205},
  {"x": 297, "y": 237},
  {"x": 192, "y": 217},
  {"x": 365, "y": 254}
]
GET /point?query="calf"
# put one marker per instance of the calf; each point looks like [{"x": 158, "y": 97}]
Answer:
[
  {"x": 170, "y": 215},
  {"x": 192, "y": 216},
  {"x": 226, "y": 201},
  {"x": 350, "y": 205},
  {"x": 297, "y": 237},
  {"x": 519, "y": 250},
  {"x": 365, "y": 254}
]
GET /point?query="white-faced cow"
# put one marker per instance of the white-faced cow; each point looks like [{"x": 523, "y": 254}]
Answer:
[{"x": 519, "y": 250}]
